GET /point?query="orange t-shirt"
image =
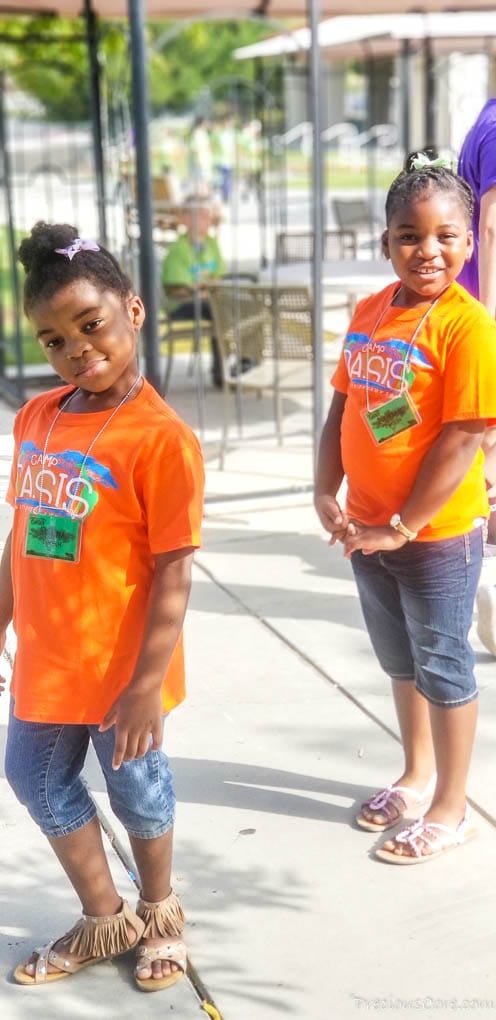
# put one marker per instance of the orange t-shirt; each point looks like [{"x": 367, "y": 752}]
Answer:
[
  {"x": 79, "y": 625},
  {"x": 450, "y": 375}
]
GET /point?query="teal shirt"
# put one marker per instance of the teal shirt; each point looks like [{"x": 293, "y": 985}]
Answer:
[{"x": 186, "y": 265}]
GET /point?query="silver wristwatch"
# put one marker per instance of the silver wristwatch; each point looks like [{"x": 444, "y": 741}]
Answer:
[{"x": 398, "y": 525}]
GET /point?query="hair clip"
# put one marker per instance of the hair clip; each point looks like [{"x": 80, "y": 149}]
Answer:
[
  {"x": 422, "y": 161},
  {"x": 78, "y": 244}
]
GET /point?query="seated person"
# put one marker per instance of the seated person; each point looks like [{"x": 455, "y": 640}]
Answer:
[{"x": 192, "y": 260}]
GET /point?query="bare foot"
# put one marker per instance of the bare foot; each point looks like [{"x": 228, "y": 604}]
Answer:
[
  {"x": 159, "y": 968},
  {"x": 160, "y": 961}
]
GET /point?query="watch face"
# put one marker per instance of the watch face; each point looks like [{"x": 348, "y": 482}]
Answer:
[{"x": 395, "y": 520}]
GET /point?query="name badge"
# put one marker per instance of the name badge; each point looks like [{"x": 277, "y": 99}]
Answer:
[
  {"x": 391, "y": 418},
  {"x": 53, "y": 537}
]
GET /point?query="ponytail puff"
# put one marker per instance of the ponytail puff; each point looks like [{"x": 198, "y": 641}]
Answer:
[
  {"x": 48, "y": 259},
  {"x": 42, "y": 242}
]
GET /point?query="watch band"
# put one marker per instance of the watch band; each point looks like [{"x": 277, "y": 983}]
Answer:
[{"x": 398, "y": 525}]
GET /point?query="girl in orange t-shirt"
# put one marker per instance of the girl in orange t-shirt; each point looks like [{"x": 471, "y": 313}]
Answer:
[
  {"x": 107, "y": 486},
  {"x": 414, "y": 390}
]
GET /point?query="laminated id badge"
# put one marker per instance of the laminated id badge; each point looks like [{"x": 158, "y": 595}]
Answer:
[
  {"x": 390, "y": 419},
  {"x": 53, "y": 537}
]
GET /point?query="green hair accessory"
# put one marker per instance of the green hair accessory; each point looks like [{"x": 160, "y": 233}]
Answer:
[{"x": 422, "y": 161}]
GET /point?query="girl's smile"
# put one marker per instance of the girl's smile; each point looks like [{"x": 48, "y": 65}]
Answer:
[
  {"x": 428, "y": 241},
  {"x": 91, "y": 368}
]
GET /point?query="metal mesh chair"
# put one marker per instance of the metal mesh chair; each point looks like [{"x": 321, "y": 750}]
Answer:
[
  {"x": 180, "y": 332},
  {"x": 297, "y": 245},
  {"x": 270, "y": 329},
  {"x": 192, "y": 331}
]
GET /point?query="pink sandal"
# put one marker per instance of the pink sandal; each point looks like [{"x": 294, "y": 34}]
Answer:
[
  {"x": 393, "y": 802},
  {"x": 164, "y": 920},
  {"x": 430, "y": 836},
  {"x": 92, "y": 940}
]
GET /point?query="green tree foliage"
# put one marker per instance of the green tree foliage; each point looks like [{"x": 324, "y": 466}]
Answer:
[
  {"x": 200, "y": 57},
  {"x": 45, "y": 61},
  {"x": 55, "y": 70}
]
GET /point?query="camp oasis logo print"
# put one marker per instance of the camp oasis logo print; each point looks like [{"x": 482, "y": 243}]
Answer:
[
  {"x": 64, "y": 483},
  {"x": 385, "y": 366}
]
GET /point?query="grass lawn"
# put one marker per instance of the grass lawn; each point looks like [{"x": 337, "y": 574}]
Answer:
[{"x": 339, "y": 174}]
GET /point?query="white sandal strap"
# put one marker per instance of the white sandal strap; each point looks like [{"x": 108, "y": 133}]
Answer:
[
  {"x": 383, "y": 797},
  {"x": 41, "y": 964}
]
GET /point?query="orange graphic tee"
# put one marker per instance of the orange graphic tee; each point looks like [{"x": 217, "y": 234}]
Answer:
[
  {"x": 79, "y": 625},
  {"x": 449, "y": 374}
]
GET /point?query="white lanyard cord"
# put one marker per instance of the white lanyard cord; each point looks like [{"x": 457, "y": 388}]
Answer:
[
  {"x": 107, "y": 421},
  {"x": 425, "y": 316}
]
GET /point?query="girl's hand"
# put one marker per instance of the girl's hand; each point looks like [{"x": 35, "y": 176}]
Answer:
[
  {"x": 372, "y": 539},
  {"x": 137, "y": 717},
  {"x": 332, "y": 517},
  {"x": 8, "y": 658}
]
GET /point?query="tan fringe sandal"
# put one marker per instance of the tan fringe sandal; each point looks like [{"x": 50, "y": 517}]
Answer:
[
  {"x": 165, "y": 920},
  {"x": 92, "y": 940}
]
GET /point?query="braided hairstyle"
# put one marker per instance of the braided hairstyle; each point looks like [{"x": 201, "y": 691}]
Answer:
[
  {"x": 47, "y": 271},
  {"x": 413, "y": 183}
]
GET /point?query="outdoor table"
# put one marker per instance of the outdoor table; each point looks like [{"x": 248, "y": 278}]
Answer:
[{"x": 354, "y": 277}]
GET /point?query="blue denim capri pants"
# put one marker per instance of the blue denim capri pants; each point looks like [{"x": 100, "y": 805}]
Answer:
[
  {"x": 418, "y": 603},
  {"x": 43, "y": 764}
]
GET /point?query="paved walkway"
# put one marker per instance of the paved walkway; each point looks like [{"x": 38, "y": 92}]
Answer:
[{"x": 288, "y": 725}]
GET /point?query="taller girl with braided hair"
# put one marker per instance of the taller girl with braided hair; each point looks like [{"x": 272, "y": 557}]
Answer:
[
  {"x": 106, "y": 488},
  {"x": 415, "y": 388}
]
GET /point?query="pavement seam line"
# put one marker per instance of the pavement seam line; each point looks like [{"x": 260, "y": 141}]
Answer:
[
  {"x": 294, "y": 648},
  {"x": 319, "y": 670}
]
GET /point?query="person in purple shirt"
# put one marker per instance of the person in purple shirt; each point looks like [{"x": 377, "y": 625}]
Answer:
[{"x": 477, "y": 165}]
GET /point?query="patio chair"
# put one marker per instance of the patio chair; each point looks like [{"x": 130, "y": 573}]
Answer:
[
  {"x": 174, "y": 333},
  {"x": 297, "y": 246},
  {"x": 165, "y": 211},
  {"x": 356, "y": 214},
  {"x": 187, "y": 332},
  {"x": 270, "y": 327}
]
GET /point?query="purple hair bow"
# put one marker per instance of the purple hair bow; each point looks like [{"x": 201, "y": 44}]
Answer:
[{"x": 78, "y": 244}]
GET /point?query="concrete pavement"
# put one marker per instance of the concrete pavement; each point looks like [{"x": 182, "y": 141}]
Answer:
[{"x": 287, "y": 726}]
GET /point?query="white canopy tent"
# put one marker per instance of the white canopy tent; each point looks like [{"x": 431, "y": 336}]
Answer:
[
  {"x": 344, "y": 36},
  {"x": 136, "y": 11},
  {"x": 375, "y": 36}
]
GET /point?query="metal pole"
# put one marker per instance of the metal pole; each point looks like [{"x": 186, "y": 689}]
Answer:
[
  {"x": 370, "y": 152},
  {"x": 12, "y": 247},
  {"x": 265, "y": 159},
  {"x": 148, "y": 274},
  {"x": 406, "y": 106},
  {"x": 318, "y": 220},
  {"x": 96, "y": 116},
  {"x": 430, "y": 93}
]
